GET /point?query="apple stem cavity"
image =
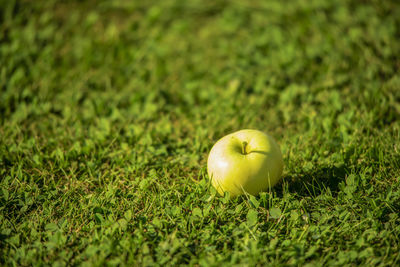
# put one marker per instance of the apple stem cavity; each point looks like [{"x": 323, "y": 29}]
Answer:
[{"x": 244, "y": 145}]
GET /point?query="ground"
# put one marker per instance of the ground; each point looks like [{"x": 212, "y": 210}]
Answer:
[{"x": 108, "y": 110}]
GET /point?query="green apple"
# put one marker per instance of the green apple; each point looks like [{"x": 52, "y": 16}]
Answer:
[{"x": 245, "y": 161}]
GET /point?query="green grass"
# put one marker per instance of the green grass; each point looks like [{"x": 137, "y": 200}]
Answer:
[{"x": 108, "y": 110}]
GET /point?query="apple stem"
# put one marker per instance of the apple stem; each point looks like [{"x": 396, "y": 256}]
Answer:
[{"x": 244, "y": 144}]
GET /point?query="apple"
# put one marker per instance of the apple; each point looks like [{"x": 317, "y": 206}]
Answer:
[{"x": 245, "y": 161}]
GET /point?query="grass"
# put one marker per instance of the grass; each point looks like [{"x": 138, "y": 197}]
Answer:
[{"x": 108, "y": 110}]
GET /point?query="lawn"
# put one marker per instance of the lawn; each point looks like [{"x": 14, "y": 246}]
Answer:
[{"x": 108, "y": 110}]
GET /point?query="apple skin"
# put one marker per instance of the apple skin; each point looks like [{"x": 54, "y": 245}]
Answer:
[{"x": 245, "y": 161}]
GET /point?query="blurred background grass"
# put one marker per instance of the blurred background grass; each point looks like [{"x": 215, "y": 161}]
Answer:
[{"x": 111, "y": 106}]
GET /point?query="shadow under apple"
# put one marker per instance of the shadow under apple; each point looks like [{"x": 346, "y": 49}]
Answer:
[{"x": 313, "y": 182}]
